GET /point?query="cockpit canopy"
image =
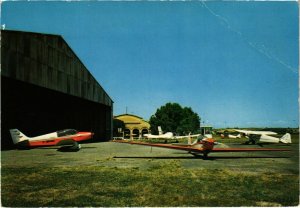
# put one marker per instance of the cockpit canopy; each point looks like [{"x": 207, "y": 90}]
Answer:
[{"x": 66, "y": 132}]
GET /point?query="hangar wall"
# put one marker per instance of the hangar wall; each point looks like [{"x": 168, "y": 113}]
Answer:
[{"x": 45, "y": 87}]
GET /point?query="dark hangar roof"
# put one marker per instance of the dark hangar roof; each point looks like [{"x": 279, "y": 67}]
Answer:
[{"x": 48, "y": 61}]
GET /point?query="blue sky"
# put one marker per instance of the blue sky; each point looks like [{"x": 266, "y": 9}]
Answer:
[{"x": 233, "y": 63}]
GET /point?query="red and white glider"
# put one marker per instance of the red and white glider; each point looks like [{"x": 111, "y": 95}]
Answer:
[{"x": 204, "y": 146}]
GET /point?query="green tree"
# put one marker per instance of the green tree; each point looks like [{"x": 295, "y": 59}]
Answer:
[{"x": 173, "y": 118}]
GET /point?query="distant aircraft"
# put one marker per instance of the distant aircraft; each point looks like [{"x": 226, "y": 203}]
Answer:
[
  {"x": 168, "y": 135},
  {"x": 256, "y": 137},
  {"x": 68, "y": 138},
  {"x": 203, "y": 146},
  {"x": 234, "y": 136}
]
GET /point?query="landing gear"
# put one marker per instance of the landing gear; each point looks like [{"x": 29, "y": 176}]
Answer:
[
  {"x": 196, "y": 155},
  {"x": 253, "y": 139},
  {"x": 205, "y": 154},
  {"x": 74, "y": 148}
]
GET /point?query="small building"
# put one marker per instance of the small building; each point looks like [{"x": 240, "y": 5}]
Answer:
[
  {"x": 133, "y": 126},
  {"x": 206, "y": 129}
]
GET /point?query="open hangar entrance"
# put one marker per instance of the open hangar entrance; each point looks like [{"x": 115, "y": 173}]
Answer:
[{"x": 45, "y": 88}]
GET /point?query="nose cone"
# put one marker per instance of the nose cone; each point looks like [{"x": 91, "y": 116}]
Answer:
[
  {"x": 209, "y": 140},
  {"x": 81, "y": 136},
  {"x": 208, "y": 143}
]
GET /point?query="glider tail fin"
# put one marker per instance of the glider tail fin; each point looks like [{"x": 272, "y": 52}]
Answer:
[
  {"x": 190, "y": 139},
  {"x": 160, "y": 132},
  {"x": 286, "y": 138},
  {"x": 17, "y": 136},
  {"x": 192, "y": 143}
]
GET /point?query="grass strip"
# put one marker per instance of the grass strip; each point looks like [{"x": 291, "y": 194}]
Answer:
[{"x": 167, "y": 185}]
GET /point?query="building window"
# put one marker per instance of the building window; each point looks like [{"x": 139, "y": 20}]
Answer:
[
  {"x": 126, "y": 133},
  {"x": 145, "y": 131},
  {"x": 135, "y": 133}
]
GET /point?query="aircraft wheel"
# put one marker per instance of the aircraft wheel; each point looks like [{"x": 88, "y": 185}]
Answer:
[
  {"x": 76, "y": 146},
  {"x": 205, "y": 155},
  {"x": 73, "y": 148}
]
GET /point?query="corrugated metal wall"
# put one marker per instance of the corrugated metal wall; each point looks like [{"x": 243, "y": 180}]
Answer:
[
  {"x": 47, "y": 61},
  {"x": 37, "y": 67}
]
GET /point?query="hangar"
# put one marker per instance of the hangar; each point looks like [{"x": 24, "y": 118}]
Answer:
[
  {"x": 134, "y": 126},
  {"x": 45, "y": 87}
]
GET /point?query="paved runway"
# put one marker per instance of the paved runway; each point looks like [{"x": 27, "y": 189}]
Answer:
[{"x": 110, "y": 154}]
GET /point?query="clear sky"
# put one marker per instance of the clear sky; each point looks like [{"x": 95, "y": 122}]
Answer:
[{"x": 233, "y": 63}]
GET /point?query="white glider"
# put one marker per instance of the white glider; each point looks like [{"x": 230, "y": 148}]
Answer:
[{"x": 262, "y": 137}]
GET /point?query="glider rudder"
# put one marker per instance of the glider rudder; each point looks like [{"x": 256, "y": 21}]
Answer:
[{"x": 286, "y": 139}]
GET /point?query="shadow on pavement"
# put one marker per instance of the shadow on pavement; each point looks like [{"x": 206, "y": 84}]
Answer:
[{"x": 200, "y": 157}]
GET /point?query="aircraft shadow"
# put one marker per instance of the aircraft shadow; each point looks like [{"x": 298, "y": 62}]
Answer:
[
  {"x": 199, "y": 157},
  {"x": 243, "y": 157},
  {"x": 70, "y": 149},
  {"x": 261, "y": 145},
  {"x": 154, "y": 157},
  {"x": 62, "y": 148}
]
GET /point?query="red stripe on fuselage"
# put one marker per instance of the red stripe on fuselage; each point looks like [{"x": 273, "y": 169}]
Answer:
[
  {"x": 50, "y": 142},
  {"x": 80, "y": 136}
]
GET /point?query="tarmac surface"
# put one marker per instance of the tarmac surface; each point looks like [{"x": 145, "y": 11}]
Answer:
[{"x": 111, "y": 154}]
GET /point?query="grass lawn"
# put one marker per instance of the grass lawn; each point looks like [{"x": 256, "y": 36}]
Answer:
[
  {"x": 114, "y": 174},
  {"x": 159, "y": 186}
]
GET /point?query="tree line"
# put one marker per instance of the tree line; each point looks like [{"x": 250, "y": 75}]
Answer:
[{"x": 172, "y": 117}]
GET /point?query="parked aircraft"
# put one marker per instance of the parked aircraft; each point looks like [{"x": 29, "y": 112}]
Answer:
[
  {"x": 256, "y": 137},
  {"x": 68, "y": 138},
  {"x": 234, "y": 136},
  {"x": 203, "y": 146},
  {"x": 168, "y": 135}
]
